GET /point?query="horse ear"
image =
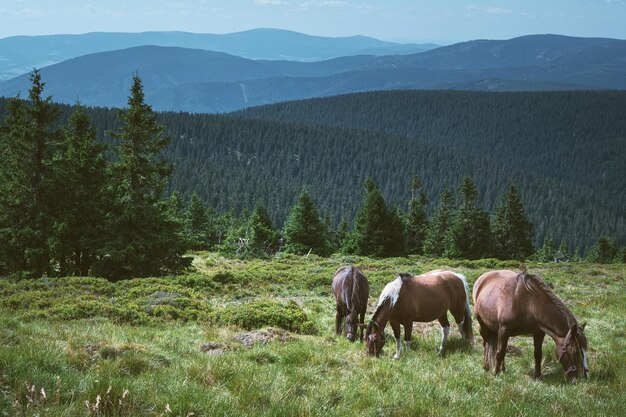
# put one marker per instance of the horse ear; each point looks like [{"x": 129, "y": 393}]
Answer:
[{"x": 583, "y": 326}]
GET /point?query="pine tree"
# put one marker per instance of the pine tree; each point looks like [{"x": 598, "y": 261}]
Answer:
[
  {"x": 511, "y": 229},
  {"x": 469, "y": 236},
  {"x": 80, "y": 175},
  {"x": 417, "y": 219},
  {"x": 144, "y": 239},
  {"x": 439, "y": 225},
  {"x": 28, "y": 140},
  {"x": 304, "y": 230}
]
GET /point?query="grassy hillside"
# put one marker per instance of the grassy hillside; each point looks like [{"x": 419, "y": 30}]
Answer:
[{"x": 186, "y": 346}]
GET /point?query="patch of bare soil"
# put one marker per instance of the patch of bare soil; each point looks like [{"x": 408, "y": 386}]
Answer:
[{"x": 263, "y": 336}]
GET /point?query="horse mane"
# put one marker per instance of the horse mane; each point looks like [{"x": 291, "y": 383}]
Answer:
[
  {"x": 535, "y": 282},
  {"x": 391, "y": 291}
]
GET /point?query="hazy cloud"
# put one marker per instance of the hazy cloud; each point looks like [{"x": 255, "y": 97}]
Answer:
[
  {"x": 324, "y": 3},
  {"x": 270, "y": 2},
  {"x": 489, "y": 9}
]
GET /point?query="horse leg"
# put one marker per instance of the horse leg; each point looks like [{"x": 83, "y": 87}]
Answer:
[
  {"x": 408, "y": 331},
  {"x": 361, "y": 320},
  {"x": 445, "y": 330},
  {"x": 538, "y": 341},
  {"x": 488, "y": 342},
  {"x": 503, "y": 340},
  {"x": 395, "y": 326},
  {"x": 338, "y": 319}
]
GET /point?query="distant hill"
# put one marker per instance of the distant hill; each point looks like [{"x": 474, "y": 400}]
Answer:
[
  {"x": 193, "y": 80},
  {"x": 19, "y": 54}
]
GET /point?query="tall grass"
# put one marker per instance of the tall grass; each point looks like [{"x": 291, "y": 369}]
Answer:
[{"x": 99, "y": 363}]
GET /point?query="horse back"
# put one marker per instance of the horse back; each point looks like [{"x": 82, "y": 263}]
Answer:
[
  {"x": 429, "y": 296},
  {"x": 499, "y": 299},
  {"x": 350, "y": 288}
]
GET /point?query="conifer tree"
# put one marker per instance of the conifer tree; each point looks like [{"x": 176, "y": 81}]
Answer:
[
  {"x": 28, "y": 140},
  {"x": 263, "y": 239},
  {"x": 342, "y": 236},
  {"x": 469, "y": 236},
  {"x": 304, "y": 230},
  {"x": 376, "y": 229},
  {"x": 417, "y": 219},
  {"x": 605, "y": 251},
  {"x": 80, "y": 175},
  {"x": 511, "y": 229},
  {"x": 144, "y": 239},
  {"x": 547, "y": 253},
  {"x": 199, "y": 226},
  {"x": 439, "y": 225}
]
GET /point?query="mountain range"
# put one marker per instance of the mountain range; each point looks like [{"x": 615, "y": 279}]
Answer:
[
  {"x": 201, "y": 81},
  {"x": 19, "y": 54}
]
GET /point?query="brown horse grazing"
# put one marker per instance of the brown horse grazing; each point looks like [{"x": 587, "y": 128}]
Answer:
[
  {"x": 351, "y": 291},
  {"x": 422, "y": 298},
  {"x": 510, "y": 303}
]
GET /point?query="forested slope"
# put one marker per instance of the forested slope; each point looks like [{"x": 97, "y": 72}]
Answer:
[{"x": 567, "y": 162}]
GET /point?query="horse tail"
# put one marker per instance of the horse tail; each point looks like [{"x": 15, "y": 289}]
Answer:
[{"x": 466, "y": 325}]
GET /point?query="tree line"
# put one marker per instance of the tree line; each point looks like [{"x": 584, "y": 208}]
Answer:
[
  {"x": 72, "y": 205},
  {"x": 67, "y": 209}
]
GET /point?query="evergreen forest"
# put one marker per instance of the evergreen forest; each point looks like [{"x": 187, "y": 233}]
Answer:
[{"x": 454, "y": 174}]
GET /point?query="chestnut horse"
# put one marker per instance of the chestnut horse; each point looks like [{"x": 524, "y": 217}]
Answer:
[
  {"x": 510, "y": 303},
  {"x": 422, "y": 298},
  {"x": 351, "y": 291}
]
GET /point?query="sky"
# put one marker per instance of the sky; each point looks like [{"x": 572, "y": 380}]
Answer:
[{"x": 440, "y": 21}]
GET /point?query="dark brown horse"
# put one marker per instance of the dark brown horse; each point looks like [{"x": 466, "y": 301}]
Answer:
[
  {"x": 422, "y": 298},
  {"x": 351, "y": 291},
  {"x": 510, "y": 303}
]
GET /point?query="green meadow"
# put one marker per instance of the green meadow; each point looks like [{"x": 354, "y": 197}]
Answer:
[{"x": 256, "y": 338}]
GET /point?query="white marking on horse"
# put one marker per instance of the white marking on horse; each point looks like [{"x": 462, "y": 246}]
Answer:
[
  {"x": 445, "y": 330},
  {"x": 398, "y": 348},
  {"x": 391, "y": 292}
]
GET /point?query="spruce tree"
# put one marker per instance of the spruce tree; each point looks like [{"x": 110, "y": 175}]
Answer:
[
  {"x": 511, "y": 229},
  {"x": 469, "y": 236},
  {"x": 198, "y": 224},
  {"x": 439, "y": 225},
  {"x": 28, "y": 140},
  {"x": 80, "y": 175},
  {"x": 547, "y": 253},
  {"x": 143, "y": 238},
  {"x": 377, "y": 231},
  {"x": 417, "y": 219},
  {"x": 304, "y": 230},
  {"x": 604, "y": 251},
  {"x": 263, "y": 239}
]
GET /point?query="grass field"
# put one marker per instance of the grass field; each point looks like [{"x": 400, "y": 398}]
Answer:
[{"x": 185, "y": 345}]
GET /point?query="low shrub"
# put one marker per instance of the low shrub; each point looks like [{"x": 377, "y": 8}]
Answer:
[{"x": 264, "y": 313}]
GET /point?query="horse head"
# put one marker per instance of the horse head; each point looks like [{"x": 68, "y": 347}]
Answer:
[
  {"x": 572, "y": 353},
  {"x": 374, "y": 339}
]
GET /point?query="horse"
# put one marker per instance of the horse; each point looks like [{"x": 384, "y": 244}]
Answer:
[
  {"x": 508, "y": 303},
  {"x": 421, "y": 298},
  {"x": 351, "y": 291}
]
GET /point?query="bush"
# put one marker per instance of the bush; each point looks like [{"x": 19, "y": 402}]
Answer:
[{"x": 263, "y": 313}]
